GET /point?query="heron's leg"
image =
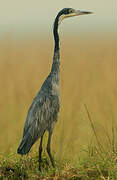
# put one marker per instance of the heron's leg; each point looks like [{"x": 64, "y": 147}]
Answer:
[
  {"x": 48, "y": 148},
  {"x": 40, "y": 152}
]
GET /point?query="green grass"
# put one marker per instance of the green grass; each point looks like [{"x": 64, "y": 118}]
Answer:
[{"x": 94, "y": 165}]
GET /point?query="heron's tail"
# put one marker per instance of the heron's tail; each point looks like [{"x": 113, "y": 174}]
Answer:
[{"x": 25, "y": 145}]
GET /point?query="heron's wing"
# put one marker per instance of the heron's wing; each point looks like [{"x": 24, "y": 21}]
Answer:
[
  {"x": 36, "y": 120},
  {"x": 34, "y": 125},
  {"x": 40, "y": 117}
]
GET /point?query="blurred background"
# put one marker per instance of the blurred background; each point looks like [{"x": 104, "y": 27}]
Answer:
[
  {"x": 25, "y": 17},
  {"x": 88, "y": 70}
]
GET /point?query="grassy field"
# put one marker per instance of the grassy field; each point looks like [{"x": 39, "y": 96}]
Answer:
[{"x": 84, "y": 139}]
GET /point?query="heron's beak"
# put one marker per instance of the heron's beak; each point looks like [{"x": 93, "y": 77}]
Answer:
[
  {"x": 80, "y": 12},
  {"x": 75, "y": 13}
]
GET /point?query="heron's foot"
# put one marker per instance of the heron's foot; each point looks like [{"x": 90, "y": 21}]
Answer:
[
  {"x": 51, "y": 158},
  {"x": 40, "y": 164},
  {"x": 52, "y": 162},
  {"x": 44, "y": 164},
  {"x": 39, "y": 167}
]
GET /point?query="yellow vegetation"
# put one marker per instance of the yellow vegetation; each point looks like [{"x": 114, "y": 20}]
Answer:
[{"x": 88, "y": 76}]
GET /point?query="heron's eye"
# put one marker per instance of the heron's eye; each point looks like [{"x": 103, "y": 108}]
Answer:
[{"x": 71, "y": 11}]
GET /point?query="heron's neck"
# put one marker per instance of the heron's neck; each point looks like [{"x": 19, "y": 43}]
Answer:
[
  {"x": 56, "y": 35},
  {"x": 55, "y": 70}
]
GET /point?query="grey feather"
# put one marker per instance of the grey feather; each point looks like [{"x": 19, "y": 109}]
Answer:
[{"x": 44, "y": 109}]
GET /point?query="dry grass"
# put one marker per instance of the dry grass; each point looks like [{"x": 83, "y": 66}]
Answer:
[{"x": 88, "y": 76}]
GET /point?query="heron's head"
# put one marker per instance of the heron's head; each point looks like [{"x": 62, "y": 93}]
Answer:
[{"x": 69, "y": 12}]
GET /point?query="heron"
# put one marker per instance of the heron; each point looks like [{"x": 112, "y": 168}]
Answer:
[{"x": 43, "y": 112}]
